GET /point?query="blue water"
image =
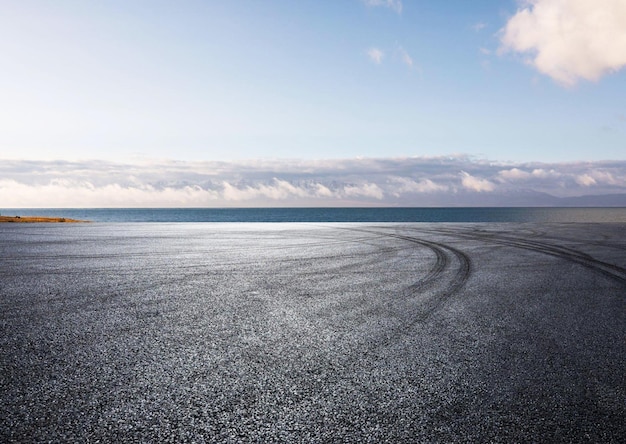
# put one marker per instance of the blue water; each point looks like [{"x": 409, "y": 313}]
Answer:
[{"x": 330, "y": 214}]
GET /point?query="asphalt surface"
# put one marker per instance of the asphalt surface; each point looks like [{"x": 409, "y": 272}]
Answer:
[{"x": 313, "y": 333}]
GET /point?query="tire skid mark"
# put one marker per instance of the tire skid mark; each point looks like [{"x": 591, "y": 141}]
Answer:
[
  {"x": 441, "y": 259},
  {"x": 527, "y": 240},
  {"x": 441, "y": 263},
  {"x": 441, "y": 250},
  {"x": 443, "y": 254},
  {"x": 612, "y": 271},
  {"x": 607, "y": 242}
]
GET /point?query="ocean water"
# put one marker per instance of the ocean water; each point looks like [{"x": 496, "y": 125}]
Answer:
[{"x": 601, "y": 215}]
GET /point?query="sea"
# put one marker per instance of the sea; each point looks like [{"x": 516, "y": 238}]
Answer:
[{"x": 393, "y": 214}]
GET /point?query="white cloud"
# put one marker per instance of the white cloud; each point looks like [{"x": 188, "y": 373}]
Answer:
[
  {"x": 585, "y": 180},
  {"x": 405, "y": 57},
  {"x": 476, "y": 184},
  {"x": 607, "y": 178},
  {"x": 569, "y": 40},
  {"x": 477, "y": 27},
  {"x": 516, "y": 174},
  {"x": 396, "y": 5},
  {"x": 322, "y": 191},
  {"x": 59, "y": 193},
  {"x": 540, "y": 173},
  {"x": 408, "y": 185},
  {"x": 376, "y": 55},
  {"x": 365, "y": 190},
  {"x": 275, "y": 190}
]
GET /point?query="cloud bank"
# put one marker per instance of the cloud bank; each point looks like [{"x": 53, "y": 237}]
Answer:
[
  {"x": 414, "y": 181},
  {"x": 569, "y": 40}
]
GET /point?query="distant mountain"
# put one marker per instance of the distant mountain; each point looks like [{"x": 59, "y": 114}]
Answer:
[
  {"x": 538, "y": 199},
  {"x": 603, "y": 200},
  {"x": 517, "y": 198}
]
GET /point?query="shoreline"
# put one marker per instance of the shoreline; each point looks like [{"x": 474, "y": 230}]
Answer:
[{"x": 38, "y": 219}]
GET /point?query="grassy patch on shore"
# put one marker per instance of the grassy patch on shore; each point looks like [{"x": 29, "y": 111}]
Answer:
[{"x": 33, "y": 219}]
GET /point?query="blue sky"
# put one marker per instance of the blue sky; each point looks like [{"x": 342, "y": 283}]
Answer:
[{"x": 230, "y": 81}]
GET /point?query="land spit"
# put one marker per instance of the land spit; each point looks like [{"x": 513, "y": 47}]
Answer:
[{"x": 37, "y": 219}]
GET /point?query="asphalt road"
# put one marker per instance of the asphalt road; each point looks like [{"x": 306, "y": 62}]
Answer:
[{"x": 313, "y": 333}]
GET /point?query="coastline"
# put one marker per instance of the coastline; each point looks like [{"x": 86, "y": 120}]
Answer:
[{"x": 38, "y": 219}]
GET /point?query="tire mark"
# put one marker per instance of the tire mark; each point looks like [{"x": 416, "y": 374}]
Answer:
[
  {"x": 443, "y": 254},
  {"x": 442, "y": 251},
  {"x": 528, "y": 240},
  {"x": 612, "y": 271}
]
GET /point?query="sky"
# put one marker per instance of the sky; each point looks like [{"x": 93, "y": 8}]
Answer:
[{"x": 309, "y": 102}]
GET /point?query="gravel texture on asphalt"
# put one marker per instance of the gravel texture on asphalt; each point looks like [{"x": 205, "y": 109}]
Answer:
[{"x": 313, "y": 333}]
